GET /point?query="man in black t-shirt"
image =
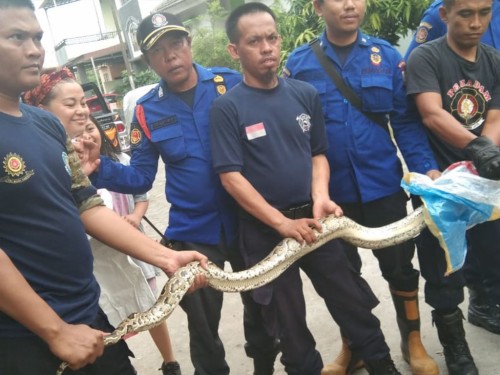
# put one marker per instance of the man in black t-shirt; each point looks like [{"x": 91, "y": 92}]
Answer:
[
  {"x": 268, "y": 143},
  {"x": 455, "y": 81}
]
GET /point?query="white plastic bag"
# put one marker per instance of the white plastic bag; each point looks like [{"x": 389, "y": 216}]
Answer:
[{"x": 453, "y": 203}]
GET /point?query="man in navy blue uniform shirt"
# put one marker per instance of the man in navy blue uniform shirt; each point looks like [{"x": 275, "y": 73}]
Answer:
[
  {"x": 171, "y": 122},
  {"x": 366, "y": 171}
]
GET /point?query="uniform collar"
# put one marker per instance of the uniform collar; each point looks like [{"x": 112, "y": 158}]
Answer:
[
  {"x": 363, "y": 39},
  {"x": 203, "y": 75}
]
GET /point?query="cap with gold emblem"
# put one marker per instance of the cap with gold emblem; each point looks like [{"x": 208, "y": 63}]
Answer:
[{"x": 154, "y": 26}]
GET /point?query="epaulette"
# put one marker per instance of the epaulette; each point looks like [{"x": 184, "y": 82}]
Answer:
[
  {"x": 370, "y": 39},
  {"x": 301, "y": 49},
  {"x": 221, "y": 70}
]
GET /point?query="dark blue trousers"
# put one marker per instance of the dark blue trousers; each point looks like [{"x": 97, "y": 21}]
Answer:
[
  {"x": 347, "y": 296},
  {"x": 395, "y": 262},
  {"x": 203, "y": 309},
  {"x": 482, "y": 265},
  {"x": 481, "y": 268},
  {"x": 31, "y": 355}
]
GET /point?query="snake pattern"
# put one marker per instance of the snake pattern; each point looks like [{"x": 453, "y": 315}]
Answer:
[{"x": 281, "y": 257}]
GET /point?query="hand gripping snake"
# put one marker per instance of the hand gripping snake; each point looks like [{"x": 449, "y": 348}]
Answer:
[{"x": 268, "y": 269}]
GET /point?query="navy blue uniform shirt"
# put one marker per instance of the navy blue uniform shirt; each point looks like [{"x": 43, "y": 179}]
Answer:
[
  {"x": 200, "y": 207},
  {"x": 363, "y": 158}
]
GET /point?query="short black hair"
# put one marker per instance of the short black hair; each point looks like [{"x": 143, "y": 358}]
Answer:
[
  {"x": 17, "y": 4},
  {"x": 232, "y": 30}
]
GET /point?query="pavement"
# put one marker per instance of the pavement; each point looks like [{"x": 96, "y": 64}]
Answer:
[{"x": 484, "y": 346}]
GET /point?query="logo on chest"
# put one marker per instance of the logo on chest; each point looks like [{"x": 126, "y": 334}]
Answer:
[
  {"x": 304, "y": 121},
  {"x": 469, "y": 103},
  {"x": 15, "y": 169}
]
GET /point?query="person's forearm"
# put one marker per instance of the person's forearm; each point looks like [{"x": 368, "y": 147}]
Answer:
[
  {"x": 250, "y": 199},
  {"x": 441, "y": 122},
  {"x": 140, "y": 209},
  {"x": 446, "y": 127},
  {"x": 124, "y": 179},
  {"x": 109, "y": 228},
  {"x": 492, "y": 126},
  {"x": 320, "y": 178},
  {"x": 20, "y": 301}
]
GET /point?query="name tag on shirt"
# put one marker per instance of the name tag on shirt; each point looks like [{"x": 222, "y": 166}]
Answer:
[
  {"x": 255, "y": 131},
  {"x": 164, "y": 122}
]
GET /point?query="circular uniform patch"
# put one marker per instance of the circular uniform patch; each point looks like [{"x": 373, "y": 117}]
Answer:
[
  {"x": 135, "y": 136},
  {"x": 468, "y": 106},
  {"x": 422, "y": 33},
  {"x": 14, "y": 164}
]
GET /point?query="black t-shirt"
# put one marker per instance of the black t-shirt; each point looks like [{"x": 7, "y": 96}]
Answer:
[
  {"x": 270, "y": 136},
  {"x": 468, "y": 89}
]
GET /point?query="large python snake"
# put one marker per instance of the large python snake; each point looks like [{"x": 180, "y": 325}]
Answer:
[{"x": 268, "y": 269}]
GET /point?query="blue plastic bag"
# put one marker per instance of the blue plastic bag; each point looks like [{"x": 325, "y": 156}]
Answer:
[{"x": 453, "y": 203}]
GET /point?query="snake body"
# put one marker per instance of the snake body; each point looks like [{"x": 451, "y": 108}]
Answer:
[{"x": 281, "y": 257}]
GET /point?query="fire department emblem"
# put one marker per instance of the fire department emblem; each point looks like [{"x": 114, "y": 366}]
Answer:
[
  {"x": 468, "y": 106},
  {"x": 376, "y": 59},
  {"x": 422, "y": 32},
  {"x": 15, "y": 169},
  {"x": 221, "y": 89},
  {"x": 304, "y": 121},
  {"x": 158, "y": 20},
  {"x": 135, "y": 136}
]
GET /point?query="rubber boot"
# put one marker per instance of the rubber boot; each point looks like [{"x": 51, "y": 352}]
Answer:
[
  {"x": 345, "y": 363},
  {"x": 408, "y": 318},
  {"x": 482, "y": 312},
  {"x": 456, "y": 350}
]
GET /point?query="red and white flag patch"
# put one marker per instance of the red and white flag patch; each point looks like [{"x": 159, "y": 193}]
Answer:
[{"x": 255, "y": 131}]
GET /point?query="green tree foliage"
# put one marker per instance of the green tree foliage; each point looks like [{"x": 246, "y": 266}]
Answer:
[
  {"x": 387, "y": 19},
  {"x": 209, "y": 42},
  {"x": 142, "y": 78},
  {"x": 298, "y": 24},
  {"x": 390, "y": 19}
]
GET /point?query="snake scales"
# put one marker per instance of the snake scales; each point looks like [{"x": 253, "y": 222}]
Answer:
[{"x": 268, "y": 269}]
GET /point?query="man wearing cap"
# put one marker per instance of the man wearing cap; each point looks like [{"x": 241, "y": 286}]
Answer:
[{"x": 172, "y": 122}]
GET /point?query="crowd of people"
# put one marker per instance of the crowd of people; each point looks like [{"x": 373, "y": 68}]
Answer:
[{"x": 241, "y": 180}]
